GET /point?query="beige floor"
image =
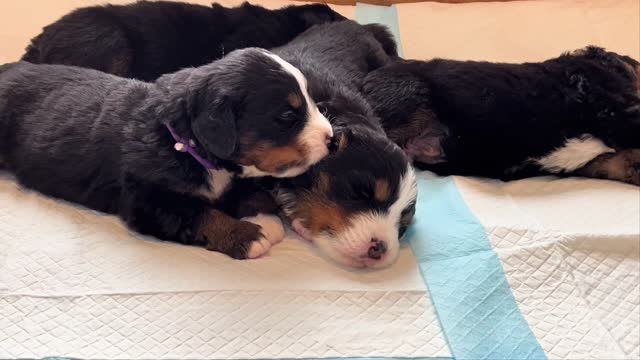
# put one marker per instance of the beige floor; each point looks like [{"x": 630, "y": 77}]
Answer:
[
  {"x": 519, "y": 30},
  {"x": 496, "y": 31}
]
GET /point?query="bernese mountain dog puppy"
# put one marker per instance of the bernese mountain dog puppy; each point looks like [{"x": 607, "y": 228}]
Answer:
[
  {"x": 147, "y": 39},
  {"x": 577, "y": 114},
  {"x": 161, "y": 155},
  {"x": 356, "y": 203}
]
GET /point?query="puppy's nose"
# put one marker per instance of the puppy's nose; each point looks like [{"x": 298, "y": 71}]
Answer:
[{"x": 377, "y": 249}]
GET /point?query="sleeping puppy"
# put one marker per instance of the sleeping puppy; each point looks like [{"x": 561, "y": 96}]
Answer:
[
  {"x": 355, "y": 204},
  {"x": 578, "y": 114},
  {"x": 145, "y": 39},
  {"x": 162, "y": 155}
]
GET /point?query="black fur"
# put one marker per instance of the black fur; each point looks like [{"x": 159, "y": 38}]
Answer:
[
  {"x": 146, "y": 39},
  {"x": 101, "y": 141},
  {"x": 335, "y": 58},
  {"x": 489, "y": 119}
]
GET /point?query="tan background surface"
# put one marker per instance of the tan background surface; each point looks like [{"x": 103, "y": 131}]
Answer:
[
  {"x": 498, "y": 31},
  {"x": 519, "y": 30}
]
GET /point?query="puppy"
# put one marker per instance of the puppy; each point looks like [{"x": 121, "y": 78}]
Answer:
[
  {"x": 145, "y": 40},
  {"x": 356, "y": 203},
  {"x": 110, "y": 143},
  {"x": 578, "y": 114}
]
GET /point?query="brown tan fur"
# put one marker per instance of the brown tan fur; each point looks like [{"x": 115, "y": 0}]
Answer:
[
  {"x": 323, "y": 183},
  {"x": 295, "y": 100},
  {"x": 224, "y": 234},
  {"x": 342, "y": 142},
  {"x": 318, "y": 211},
  {"x": 270, "y": 158},
  {"x": 420, "y": 120},
  {"x": 623, "y": 166},
  {"x": 382, "y": 191},
  {"x": 320, "y": 214}
]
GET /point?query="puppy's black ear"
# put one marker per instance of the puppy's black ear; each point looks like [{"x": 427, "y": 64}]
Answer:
[{"x": 215, "y": 128}]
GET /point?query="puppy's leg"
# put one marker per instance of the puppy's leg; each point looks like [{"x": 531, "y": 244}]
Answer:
[
  {"x": 622, "y": 166},
  {"x": 247, "y": 201},
  {"x": 190, "y": 220},
  {"x": 246, "y": 238}
]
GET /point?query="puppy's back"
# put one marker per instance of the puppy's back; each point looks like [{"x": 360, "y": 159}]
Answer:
[
  {"x": 110, "y": 37},
  {"x": 147, "y": 39},
  {"x": 344, "y": 50}
]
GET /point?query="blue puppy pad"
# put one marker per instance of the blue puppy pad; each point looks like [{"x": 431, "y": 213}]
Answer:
[
  {"x": 469, "y": 290},
  {"x": 386, "y": 15}
]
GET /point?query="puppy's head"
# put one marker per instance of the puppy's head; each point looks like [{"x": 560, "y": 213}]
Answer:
[
  {"x": 606, "y": 88},
  {"x": 252, "y": 108},
  {"x": 607, "y": 69},
  {"x": 401, "y": 99},
  {"x": 356, "y": 204}
]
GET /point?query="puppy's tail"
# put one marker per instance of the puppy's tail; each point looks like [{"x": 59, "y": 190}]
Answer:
[{"x": 384, "y": 37}]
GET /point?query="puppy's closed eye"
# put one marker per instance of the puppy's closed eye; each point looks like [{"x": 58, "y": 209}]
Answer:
[
  {"x": 288, "y": 117},
  {"x": 361, "y": 191}
]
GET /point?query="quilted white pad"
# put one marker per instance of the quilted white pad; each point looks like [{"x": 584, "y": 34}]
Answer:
[
  {"x": 570, "y": 249},
  {"x": 76, "y": 283}
]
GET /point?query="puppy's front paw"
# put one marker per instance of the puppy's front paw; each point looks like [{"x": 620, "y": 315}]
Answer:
[
  {"x": 271, "y": 225},
  {"x": 249, "y": 241},
  {"x": 258, "y": 248},
  {"x": 236, "y": 238}
]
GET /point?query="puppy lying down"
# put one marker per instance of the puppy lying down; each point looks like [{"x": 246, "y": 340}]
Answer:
[
  {"x": 87, "y": 142},
  {"x": 356, "y": 203},
  {"x": 578, "y": 114},
  {"x": 146, "y": 39},
  {"x": 110, "y": 143}
]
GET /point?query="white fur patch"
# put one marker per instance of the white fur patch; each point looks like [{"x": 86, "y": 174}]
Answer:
[
  {"x": 272, "y": 227},
  {"x": 219, "y": 181},
  {"x": 351, "y": 246},
  {"x": 574, "y": 154},
  {"x": 273, "y": 232},
  {"x": 258, "y": 248}
]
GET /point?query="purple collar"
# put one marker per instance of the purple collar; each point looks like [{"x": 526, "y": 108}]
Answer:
[{"x": 189, "y": 146}]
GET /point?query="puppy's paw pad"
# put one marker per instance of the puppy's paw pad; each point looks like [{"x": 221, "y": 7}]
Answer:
[
  {"x": 271, "y": 225},
  {"x": 258, "y": 248}
]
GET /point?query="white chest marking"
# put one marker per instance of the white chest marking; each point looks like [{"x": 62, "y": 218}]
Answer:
[
  {"x": 219, "y": 181},
  {"x": 573, "y": 154}
]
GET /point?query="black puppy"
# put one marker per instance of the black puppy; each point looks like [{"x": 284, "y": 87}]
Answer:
[
  {"x": 356, "y": 203},
  {"x": 578, "y": 114},
  {"x": 145, "y": 40},
  {"x": 110, "y": 143}
]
